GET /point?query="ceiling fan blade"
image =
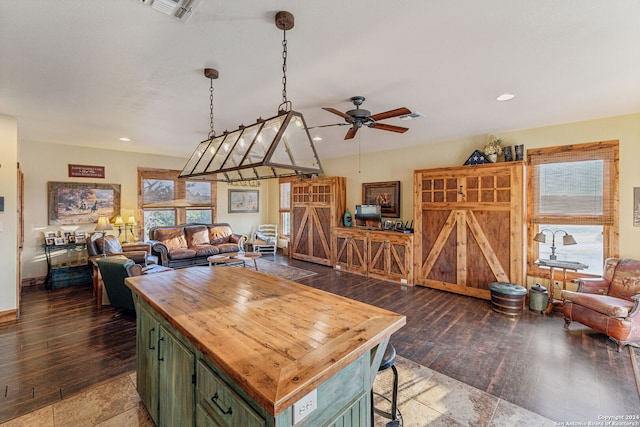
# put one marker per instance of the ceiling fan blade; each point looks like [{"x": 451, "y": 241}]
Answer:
[
  {"x": 391, "y": 113},
  {"x": 391, "y": 128},
  {"x": 351, "y": 133},
  {"x": 338, "y": 112}
]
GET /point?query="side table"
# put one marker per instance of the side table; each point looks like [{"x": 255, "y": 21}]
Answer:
[
  {"x": 235, "y": 258},
  {"x": 554, "y": 264}
]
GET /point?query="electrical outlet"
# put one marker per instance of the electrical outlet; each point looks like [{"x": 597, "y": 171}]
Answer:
[{"x": 303, "y": 407}]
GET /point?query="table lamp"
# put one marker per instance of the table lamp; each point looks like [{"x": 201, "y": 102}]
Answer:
[
  {"x": 567, "y": 239},
  {"x": 103, "y": 225},
  {"x": 131, "y": 222}
]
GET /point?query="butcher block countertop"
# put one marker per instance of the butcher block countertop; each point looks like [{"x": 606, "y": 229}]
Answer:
[{"x": 277, "y": 339}]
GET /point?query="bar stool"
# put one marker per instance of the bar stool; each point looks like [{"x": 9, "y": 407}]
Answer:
[{"x": 388, "y": 361}]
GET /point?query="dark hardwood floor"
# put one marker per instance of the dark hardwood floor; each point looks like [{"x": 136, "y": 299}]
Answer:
[{"x": 63, "y": 344}]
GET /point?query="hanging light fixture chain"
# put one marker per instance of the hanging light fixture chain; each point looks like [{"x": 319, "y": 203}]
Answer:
[
  {"x": 284, "y": 66},
  {"x": 212, "y": 132}
]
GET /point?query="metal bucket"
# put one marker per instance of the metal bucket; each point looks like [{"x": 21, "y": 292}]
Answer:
[{"x": 538, "y": 298}]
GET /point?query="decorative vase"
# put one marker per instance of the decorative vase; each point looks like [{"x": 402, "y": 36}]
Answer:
[
  {"x": 508, "y": 154},
  {"x": 519, "y": 152},
  {"x": 347, "y": 220},
  {"x": 492, "y": 157}
]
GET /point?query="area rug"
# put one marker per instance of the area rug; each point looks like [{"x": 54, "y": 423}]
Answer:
[{"x": 283, "y": 271}]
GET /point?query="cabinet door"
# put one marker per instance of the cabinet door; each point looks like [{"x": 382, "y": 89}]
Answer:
[
  {"x": 351, "y": 251},
  {"x": 176, "y": 381},
  {"x": 390, "y": 257},
  {"x": 147, "y": 360},
  {"x": 469, "y": 227},
  {"x": 312, "y": 234}
]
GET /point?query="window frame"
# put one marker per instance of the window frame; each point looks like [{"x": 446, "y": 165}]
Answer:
[
  {"x": 610, "y": 234},
  {"x": 179, "y": 204},
  {"x": 281, "y": 210}
]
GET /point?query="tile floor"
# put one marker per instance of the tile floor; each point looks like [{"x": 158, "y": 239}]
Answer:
[{"x": 426, "y": 398}]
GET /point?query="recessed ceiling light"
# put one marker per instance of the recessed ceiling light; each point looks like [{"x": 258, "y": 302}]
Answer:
[
  {"x": 317, "y": 138},
  {"x": 505, "y": 97},
  {"x": 125, "y": 139}
]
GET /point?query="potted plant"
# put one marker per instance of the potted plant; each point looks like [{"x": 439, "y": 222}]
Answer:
[{"x": 493, "y": 148}]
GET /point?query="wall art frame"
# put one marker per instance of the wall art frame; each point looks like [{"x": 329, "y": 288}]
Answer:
[
  {"x": 244, "y": 201},
  {"x": 81, "y": 203},
  {"x": 636, "y": 206},
  {"x": 386, "y": 194}
]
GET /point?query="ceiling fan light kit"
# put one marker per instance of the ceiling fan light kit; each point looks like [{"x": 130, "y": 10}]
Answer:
[
  {"x": 359, "y": 117},
  {"x": 276, "y": 147}
]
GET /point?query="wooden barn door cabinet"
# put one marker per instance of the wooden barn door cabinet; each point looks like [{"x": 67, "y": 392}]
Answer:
[
  {"x": 470, "y": 227},
  {"x": 385, "y": 255},
  {"x": 317, "y": 206},
  {"x": 351, "y": 250}
]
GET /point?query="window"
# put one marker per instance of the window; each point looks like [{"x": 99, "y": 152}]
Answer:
[
  {"x": 285, "y": 208},
  {"x": 574, "y": 189},
  {"x": 167, "y": 200}
]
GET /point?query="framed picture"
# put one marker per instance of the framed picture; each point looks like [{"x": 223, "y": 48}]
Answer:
[
  {"x": 388, "y": 224},
  {"x": 399, "y": 225},
  {"x": 636, "y": 207},
  {"x": 81, "y": 237},
  {"x": 385, "y": 194},
  {"x": 59, "y": 241},
  {"x": 82, "y": 203},
  {"x": 50, "y": 241},
  {"x": 242, "y": 201}
]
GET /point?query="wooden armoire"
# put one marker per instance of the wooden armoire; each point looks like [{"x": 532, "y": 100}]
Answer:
[
  {"x": 470, "y": 227},
  {"x": 317, "y": 206}
]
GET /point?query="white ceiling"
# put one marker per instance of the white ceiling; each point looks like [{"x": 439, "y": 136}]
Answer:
[{"x": 86, "y": 72}]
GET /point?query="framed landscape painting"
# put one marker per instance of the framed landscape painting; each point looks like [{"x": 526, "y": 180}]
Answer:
[
  {"x": 385, "y": 194},
  {"x": 82, "y": 203},
  {"x": 243, "y": 201}
]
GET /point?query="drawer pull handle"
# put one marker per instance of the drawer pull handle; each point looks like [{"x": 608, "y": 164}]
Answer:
[
  {"x": 151, "y": 346},
  {"x": 214, "y": 399},
  {"x": 160, "y": 359}
]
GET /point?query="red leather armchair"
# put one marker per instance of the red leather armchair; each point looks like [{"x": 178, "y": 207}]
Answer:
[{"x": 610, "y": 304}]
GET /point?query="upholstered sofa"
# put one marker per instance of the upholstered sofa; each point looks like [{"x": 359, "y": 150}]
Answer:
[
  {"x": 109, "y": 245},
  {"x": 609, "y": 304},
  {"x": 191, "y": 244}
]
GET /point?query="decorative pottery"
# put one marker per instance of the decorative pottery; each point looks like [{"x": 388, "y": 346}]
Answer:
[
  {"x": 508, "y": 154},
  {"x": 492, "y": 157},
  {"x": 347, "y": 220},
  {"x": 519, "y": 152}
]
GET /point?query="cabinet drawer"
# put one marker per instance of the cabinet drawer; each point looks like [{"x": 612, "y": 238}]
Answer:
[
  {"x": 221, "y": 404},
  {"x": 70, "y": 276}
]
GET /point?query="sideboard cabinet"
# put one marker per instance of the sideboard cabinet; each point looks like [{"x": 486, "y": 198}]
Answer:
[
  {"x": 470, "y": 227},
  {"x": 317, "y": 206},
  {"x": 385, "y": 255}
]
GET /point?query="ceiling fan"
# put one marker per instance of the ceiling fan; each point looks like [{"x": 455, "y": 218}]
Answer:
[{"x": 361, "y": 117}]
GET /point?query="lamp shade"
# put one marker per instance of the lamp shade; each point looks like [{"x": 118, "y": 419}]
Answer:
[
  {"x": 131, "y": 220},
  {"x": 277, "y": 147},
  {"x": 104, "y": 224},
  {"x": 540, "y": 237},
  {"x": 568, "y": 239},
  {"x": 118, "y": 222}
]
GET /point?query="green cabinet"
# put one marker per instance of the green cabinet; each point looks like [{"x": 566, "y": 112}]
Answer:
[
  {"x": 219, "y": 405},
  {"x": 165, "y": 377}
]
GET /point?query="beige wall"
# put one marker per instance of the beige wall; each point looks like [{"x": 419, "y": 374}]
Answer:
[
  {"x": 9, "y": 217},
  {"x": 42, "y": 162},
  {"x": 394, "y": 165}
]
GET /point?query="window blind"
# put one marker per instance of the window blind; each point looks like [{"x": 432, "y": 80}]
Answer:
[{"x": 574, "y": 184}]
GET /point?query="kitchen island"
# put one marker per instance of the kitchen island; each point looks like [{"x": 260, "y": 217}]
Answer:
[{"x": 233, "y": 347}]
